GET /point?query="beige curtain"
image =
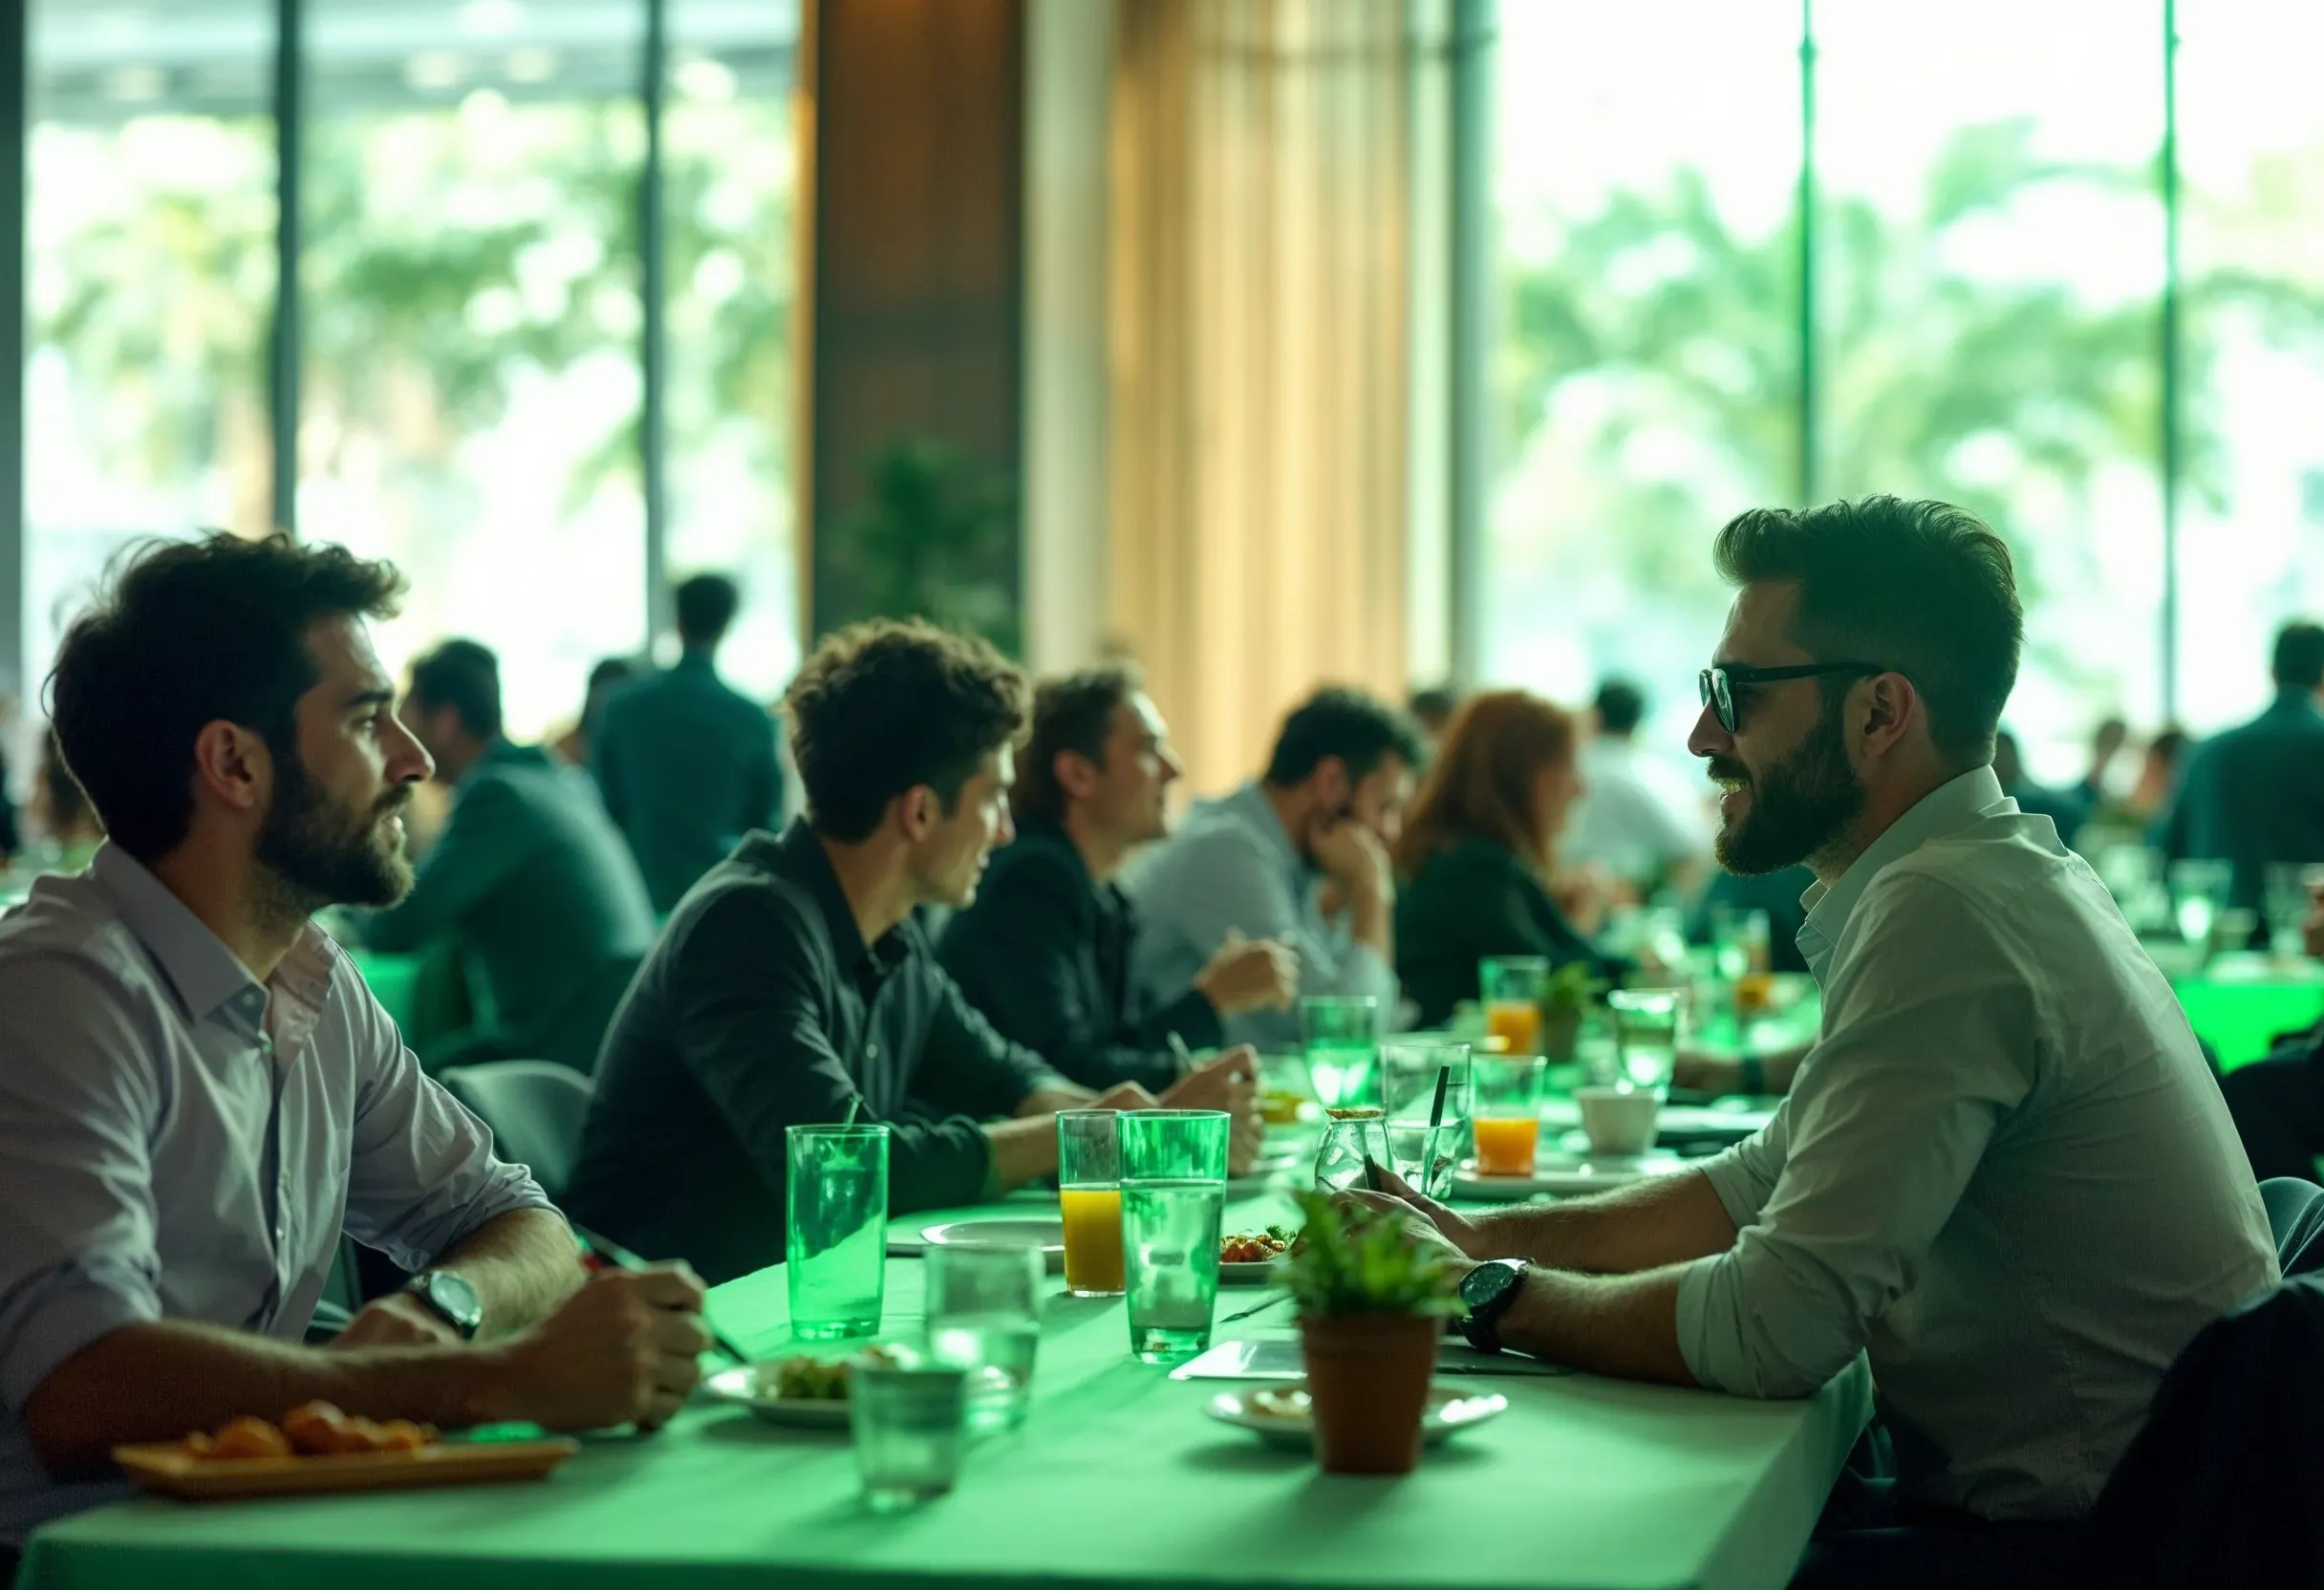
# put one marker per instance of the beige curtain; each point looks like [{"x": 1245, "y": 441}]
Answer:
[{"x": 1258, "y": 248}]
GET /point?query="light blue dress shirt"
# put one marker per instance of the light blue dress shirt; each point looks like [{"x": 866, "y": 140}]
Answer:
[
  {"x": 181, "y": 1142},
  {"x": 2004, "y": 1173},
  {"x": 1232, "y": 867}
]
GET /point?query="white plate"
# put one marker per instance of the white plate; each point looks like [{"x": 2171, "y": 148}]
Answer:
[
  {"x": 1048, "y": 1236},
  {"x": 1261, "y": 1274},
  {"x": 753, "y": 1387},
  {"x": 1281, "y": 1417},
  {"x": 1565, "y": 1175}
]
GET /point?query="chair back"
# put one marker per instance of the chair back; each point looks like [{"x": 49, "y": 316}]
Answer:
[{"x": 535, "y": 1108}]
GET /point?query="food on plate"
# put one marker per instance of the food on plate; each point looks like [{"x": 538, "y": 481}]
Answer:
[
  {"x": 816, "y": 1380},
  {"x": 1265, "y": 1247},
  {"x": 314, "y": 1430}
]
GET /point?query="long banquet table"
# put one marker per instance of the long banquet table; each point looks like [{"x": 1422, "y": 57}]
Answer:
[{"x": 1118, "y": 1480}]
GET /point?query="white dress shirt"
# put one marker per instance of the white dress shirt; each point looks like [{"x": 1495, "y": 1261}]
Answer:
[{"x": 2005, "y": 1172}]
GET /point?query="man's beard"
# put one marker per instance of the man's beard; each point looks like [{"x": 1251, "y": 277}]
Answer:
[
  {"x": 320, "y": 855},
  {"x": 1797, "y": 808}
]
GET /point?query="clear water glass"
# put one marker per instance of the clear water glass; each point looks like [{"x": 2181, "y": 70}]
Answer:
[
  {"x": 1173, "y": 1197},
  {"x": 835, "y": 1255},
  {"x": 983, "y": 1317},
  {"x": 1347, "y": 1143},
  {"x": 907, "y": 1417},
  {"x": 1340, "y": 1037},
  {"x": 1408, "y": 1073},
  {"x": 2199, "y": 894},
  {"x": 1645, "y": 1034}
]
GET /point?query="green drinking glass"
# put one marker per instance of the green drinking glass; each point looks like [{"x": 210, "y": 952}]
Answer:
[
  {"x": 1173, "y": 1190},
  {"x": 835, "y": 1254}
]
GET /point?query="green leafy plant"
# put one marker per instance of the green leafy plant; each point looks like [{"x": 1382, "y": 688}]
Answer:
[
  {"x": 1353, "y": 1260},
  {"x": 1571, "y": 987}
]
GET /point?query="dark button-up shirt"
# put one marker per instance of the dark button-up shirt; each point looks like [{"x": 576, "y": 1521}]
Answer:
[
  {"x": 179, "y": 1141},
  {"x": 760, "y": 1009},
  {"x": 1045, "y": 954},
  {"x": 2254, "y": 796},
  {"x": 535, "y": 882},
  {"x": 687, "y": 767}
]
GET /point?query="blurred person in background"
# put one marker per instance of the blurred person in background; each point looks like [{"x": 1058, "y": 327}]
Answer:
[
  {"x": 11, "y": 836},
  {"x": 1645, "y": 831},
  {"x": 61, "y": 814},
  {"x": 2148, "y": 799},
  {"x": 1044, "y": 952},
  {"x": 1432, "y": 710},
  {"x": 574, "y": 745},
  {"x": 530, "y": 877},
  {"x": 2106, "y": 744},
  {"x": 687, "y": 765},
  {"x": 1477, "y": 861},
  {"x": 1299, "y": 855},
  {"x": 2064, "y": 808},
  {"x": 2254, "y": 796}
]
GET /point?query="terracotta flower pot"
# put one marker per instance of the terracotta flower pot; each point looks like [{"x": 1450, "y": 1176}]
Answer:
[{"x": 1368, "y": 1377}]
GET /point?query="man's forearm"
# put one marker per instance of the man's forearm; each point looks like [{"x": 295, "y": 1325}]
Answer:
[
  {"x": 523, "y": 1265},
  {"x": 1658, "y": 1221},
  {"x": 1023, "y": 1149},
  {"x": 1621, "y": 1326},
  {"x": 1373, "y": 920},
  {"x": 156, "y": 1381}
]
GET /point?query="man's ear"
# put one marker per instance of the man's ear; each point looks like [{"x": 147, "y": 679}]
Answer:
[
  {"x": 1075, "y": 774},
  {"x": 918, "y": 811},
  {"x": 233, "y": 767}
]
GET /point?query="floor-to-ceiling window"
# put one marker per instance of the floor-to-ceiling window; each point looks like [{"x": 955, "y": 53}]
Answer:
[
  {"x": 473, "y": 333},
  {"x": 1983, "y": 200}
]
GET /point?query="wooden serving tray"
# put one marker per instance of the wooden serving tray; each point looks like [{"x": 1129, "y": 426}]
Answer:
[{"x": 169, "y": 1470}]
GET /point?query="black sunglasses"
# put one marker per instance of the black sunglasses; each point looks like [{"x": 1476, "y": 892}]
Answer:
[{"x": 1720, "y": 685}]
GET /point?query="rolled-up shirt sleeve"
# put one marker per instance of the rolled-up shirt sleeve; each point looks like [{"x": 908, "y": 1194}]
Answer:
[
  {"x": 1920, "y": 1064},
  {"x": 421, "y": 1175},
  {"x": 79, "y": 1100}
]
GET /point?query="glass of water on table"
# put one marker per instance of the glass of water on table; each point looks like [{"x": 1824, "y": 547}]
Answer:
[
  {"x": 1174, "y": 1190},
  {"x": 1645, "y": 1034},
  {"x": 1339, "y": 1035},
  {"x": 1427, "y": 1157},
  {"x": 983, "y": 1312},
  {"x": 835, "y": 1254}
]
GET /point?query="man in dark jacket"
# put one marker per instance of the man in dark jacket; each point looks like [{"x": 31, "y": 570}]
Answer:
[
  {"x": 2254, "y": 796},
  {"x": 1045, "y": 951},
  {"x": 529, "y": 876}
]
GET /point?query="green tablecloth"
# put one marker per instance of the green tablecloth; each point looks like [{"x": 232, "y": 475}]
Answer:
[
  {"x": 1118, "y": 1480},
  {"x": 2240, "y": 1002}
]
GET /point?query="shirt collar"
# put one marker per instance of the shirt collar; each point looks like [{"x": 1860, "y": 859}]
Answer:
[
  {"x": 203, "y": 972},
  {"x": 1946, "y": 809},
  {"x": 799, "y": 855}
]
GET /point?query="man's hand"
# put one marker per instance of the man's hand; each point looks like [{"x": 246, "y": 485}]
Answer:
[
  {"x": 623, "y": 1349},
  {"x": 1352, "y": 857},
  {"x": 1229, "y": 1083},
  {"x": 1425, "y": 1219},
  {"x": 1703, "y": 1072},
  {"x": 1250, "y": 973},
  {"x": 1122, "y": 1095},
  {"x": 399, "y": 1319}
]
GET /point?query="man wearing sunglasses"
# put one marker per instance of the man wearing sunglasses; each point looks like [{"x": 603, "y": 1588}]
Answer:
[{"x": 2002, "y": 1173}]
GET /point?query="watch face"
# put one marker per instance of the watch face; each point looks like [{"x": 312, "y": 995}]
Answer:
[
  {"x": 1485, "y": 1284},
  {"x": 456, "y": 1301}
]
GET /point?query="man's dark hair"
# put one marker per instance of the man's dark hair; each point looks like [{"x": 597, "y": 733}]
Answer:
[
  {"x": 1433, "y": 708},
  {"x": 1071, "y": 713},
  {"x": 1921, "y": 587},
  {"x": 1361, "y": 730},
  {"x": 2299, "y": 656},
  {"x": 1621, "y": 707},
  {"x": 464, "y": 675},
  {"x": 188, "y": 634},
  {"x": 884, "y": 707},
  {"x": 706, "y": 606}
]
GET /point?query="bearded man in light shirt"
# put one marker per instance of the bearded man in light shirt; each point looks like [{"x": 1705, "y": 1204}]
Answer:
[{"x": 2004, "y": 1173}]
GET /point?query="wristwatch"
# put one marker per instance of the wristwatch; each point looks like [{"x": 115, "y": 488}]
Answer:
[
  {"x": 1487, "y": 1292},
  {"x": 450, "y": 1297}
]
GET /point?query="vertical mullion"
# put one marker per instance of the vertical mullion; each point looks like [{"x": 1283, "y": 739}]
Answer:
[
  {"x": 652, "y": 292},
  {"x": 15, "y": 142},
  {"x": 282, "y": 342},
  {"x": 1469, "y": 398},
  {"x": 2172, "y": 374},
  {"x": 1810, "y": 416}
]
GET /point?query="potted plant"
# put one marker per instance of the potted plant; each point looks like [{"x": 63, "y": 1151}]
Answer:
[
  {"x": 1566, "y": 994},
  {"x": 1372, "y": 1302}
]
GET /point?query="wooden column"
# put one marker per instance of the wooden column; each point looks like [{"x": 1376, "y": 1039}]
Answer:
[{"x": 913, "y": 214}]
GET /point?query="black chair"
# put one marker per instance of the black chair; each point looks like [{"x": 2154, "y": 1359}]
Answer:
[
  {"x": 2296, "y": 1214},
  {"x": 535, "y": 1108}
]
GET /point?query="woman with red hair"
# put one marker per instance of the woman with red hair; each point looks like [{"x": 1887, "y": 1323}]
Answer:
[{"x": 1479, "y": 852}]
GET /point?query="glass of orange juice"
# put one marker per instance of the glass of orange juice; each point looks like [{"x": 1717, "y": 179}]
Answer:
[
  {"x": 1505, "y": 1096},
  {"x": 1089, "y": 1199},
  {"x": 1512, "y": 988}
]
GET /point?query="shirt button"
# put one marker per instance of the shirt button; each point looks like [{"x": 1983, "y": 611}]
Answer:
[{"x": 870, "y": 1051}]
